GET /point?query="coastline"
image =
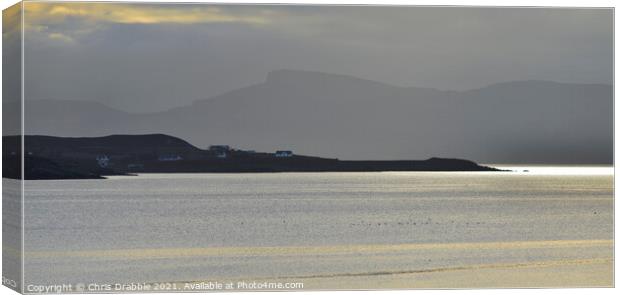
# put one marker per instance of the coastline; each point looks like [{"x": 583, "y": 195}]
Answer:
[{"x": 50, "y": 157}]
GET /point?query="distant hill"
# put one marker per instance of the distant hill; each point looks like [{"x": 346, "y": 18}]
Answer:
[
  {"x": 49, "y": 157},
  {"x": 345, "y": 117},
  {"x": 123, "y": 144}
]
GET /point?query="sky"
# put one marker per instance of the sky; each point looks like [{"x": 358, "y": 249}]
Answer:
[{"x": 153, "y": 57}]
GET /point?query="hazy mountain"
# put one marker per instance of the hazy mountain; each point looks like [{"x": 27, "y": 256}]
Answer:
[{"x": 350, "y": 118}]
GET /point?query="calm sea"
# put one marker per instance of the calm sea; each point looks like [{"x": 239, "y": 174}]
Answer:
[{"x": 85, "y": 230}]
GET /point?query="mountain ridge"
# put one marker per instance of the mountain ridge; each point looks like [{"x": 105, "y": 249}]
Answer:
[
  {"x": 554, "y": 122},
  {"x": 493, "y": 85}
]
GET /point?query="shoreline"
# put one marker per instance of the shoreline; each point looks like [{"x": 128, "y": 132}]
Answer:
[{"x": 50, "y": 157}]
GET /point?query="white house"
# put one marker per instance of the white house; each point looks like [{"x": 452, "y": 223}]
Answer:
[{"x": 103, "y": 161}]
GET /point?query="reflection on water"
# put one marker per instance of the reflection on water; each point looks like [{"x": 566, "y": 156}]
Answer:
[{"x": 173, "y": 214}]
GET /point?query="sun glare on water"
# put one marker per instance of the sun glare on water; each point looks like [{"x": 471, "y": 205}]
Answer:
[{"x": 559, "y": 170}]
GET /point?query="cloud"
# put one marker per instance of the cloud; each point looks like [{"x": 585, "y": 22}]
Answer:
[
  {"x": 122, "y": 57},
  {"x": 61, "y": 37},
  {"x": 52, "y": 18},
  {"x": 11, "y": 22},
  {"x": 37, "y": 12}
]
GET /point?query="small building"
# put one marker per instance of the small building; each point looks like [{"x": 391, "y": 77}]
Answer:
[
  {"x": 168, "y": 158},
  {"x": 284, "y": 154},
  {"x": 103, "y": 161}
]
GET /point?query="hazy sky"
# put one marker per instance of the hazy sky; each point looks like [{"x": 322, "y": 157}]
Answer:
[{"x": 142, "y": 57}]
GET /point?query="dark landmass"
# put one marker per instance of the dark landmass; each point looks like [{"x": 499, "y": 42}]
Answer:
[{"x": 49, "y": 157}]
